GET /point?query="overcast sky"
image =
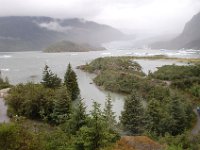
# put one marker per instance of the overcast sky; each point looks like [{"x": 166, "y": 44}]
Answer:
[{"x": 149, "y": 16}]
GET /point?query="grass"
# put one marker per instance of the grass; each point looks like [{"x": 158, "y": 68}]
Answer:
[{"x": 163, "y": 57}]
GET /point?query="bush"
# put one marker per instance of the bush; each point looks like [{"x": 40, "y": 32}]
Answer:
[
  {"x": 31, "y": 100},
  {"x": 15, "y": 137}
]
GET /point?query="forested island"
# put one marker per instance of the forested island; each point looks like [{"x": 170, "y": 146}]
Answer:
[
  {"x": 68, "y": 46},
  {"x": 158, "y": 111}
]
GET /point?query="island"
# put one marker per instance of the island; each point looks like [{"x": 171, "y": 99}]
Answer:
[{"x": 68, "y": 46}]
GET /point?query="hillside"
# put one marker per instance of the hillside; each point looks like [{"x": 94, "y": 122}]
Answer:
[
  {"x": 67, "y": 46},
  {"x": 37, "y": 33},
  {"x": 188, "y": 39}
]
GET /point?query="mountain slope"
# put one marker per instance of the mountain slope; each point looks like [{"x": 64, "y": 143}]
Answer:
[
  {"x": 188, "y": 39},
  {"x": 37, "y": 33}
]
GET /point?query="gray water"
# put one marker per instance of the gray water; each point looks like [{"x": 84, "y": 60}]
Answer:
[
  {"x": 28, "y": 66},
  {"x": 3, "y": 112}
]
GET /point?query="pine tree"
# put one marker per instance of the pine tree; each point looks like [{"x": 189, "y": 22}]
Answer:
[
  {"x": 132, "y": 117},
  {"x": 62, "y": 106},
  {"x": 70, "y": 80},
  {"x": 50, "y": 79}
]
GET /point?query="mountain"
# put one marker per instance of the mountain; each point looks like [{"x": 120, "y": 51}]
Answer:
[
  {"x": 67, "y": 46},
  {"x": 37, "y": 33},
  {"x": 188, "y": 39}
]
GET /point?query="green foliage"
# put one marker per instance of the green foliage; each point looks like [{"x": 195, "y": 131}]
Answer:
[
  {"x": 182, "y": 141},
  {"x": 4, "y": 83},
  {"x": 70, "y": 80},
  {"x": 52, "y": 103},
  {"x": 15, "y": 137},
  {"x": 159, "y": 93},
  {"x": 80, "y": 131},
  {"x": 132, "y": 117},
  {"x": 195, "y": 90},
  {"x": 77, "y": 118},
  {"x": 109, "y": 114},
  {"x": 173, "y": 72},
  {"x": 113, "y": 63},
  {"x": 153, "y": 117},
  {"x": 118, "y": 74},
  {"x": 37, "y": 102},
  {"x": 174, "y": 147},
  {"x": 186, "y": 78},
  {"x": 50, "y": 79},
  {"x": 168, "y": 108},
  {"x": 62, "y": 106},
  {"x": 178, "y": 115},
  {"x": 168, "y": 113},
  {"x": 116, "y": 81},
  {"x": 57, "y": 140},
  {"x": 31, "y": 100},
  {"x": 95, "y": 135}
]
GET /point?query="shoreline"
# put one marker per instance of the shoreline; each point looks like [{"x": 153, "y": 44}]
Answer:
[{"x": 3, "y": 108}]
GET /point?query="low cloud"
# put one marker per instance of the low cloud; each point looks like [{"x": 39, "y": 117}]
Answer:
[
  {"x": 131, "y": 16},
  {"x": 55, "y": 26}
]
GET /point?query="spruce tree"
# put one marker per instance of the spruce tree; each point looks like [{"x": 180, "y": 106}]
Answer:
[
  {"x": 109, "y": 114},
  {"x": 98, "y": 124},
  {"x": 50, "y": 79},
  {"x": 153, "y": 117},
  {"x": 95, "y": 135},
  {"x": 62, "y": 106},
  {"x": 178, "y": 115},
  {"x": 77, "y": 118},
  {"x": 70, "y": 80},
  {"x": 132, "y": 117}
]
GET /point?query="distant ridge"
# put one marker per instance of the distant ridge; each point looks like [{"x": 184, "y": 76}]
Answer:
[
  {"x": 188, "y": 39},
  {"x": 37, "y": 33}
]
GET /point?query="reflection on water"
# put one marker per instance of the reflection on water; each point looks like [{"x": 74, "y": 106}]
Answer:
[{"x": 28, "y": 66}]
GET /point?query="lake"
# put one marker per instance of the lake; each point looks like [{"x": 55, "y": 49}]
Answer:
[{"x": 28, "y": 66}]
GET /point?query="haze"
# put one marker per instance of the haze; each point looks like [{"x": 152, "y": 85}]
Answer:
[{"x": 130, "y": 16}]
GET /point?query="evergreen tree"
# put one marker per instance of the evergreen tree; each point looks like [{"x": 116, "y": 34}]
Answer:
[
  {"x": 109, "y": 114},
  {"x": 95, "y": 135},
  {"x": 50, "y": 79},
  {"x": 153, "y": 116},
  {"x": 70, "y": 80},
  {"x": 97, "y": 127},
  {"x": 62, "y": 105},
  {"x": 77, "y": 118},
  {"x": 178, "y": 115},
  {"x": 132, "y": 116}
]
